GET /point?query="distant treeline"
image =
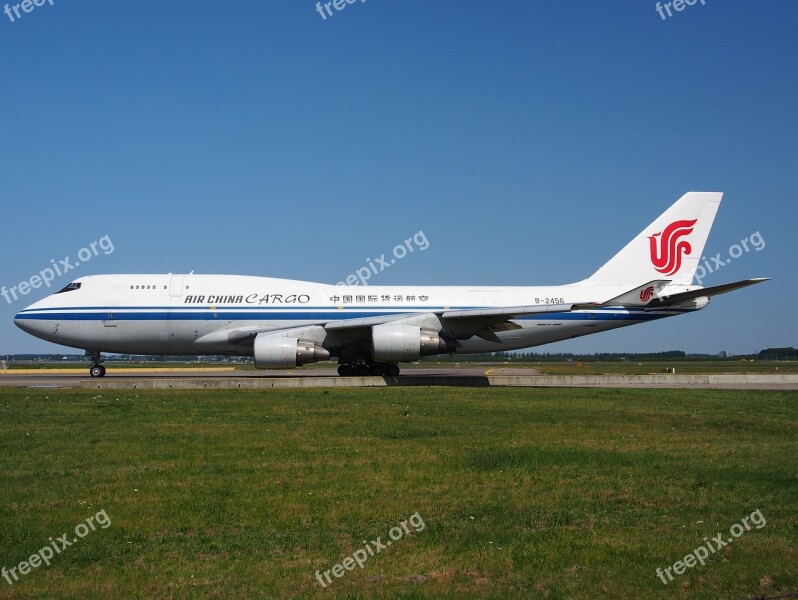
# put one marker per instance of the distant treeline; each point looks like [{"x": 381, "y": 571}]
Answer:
[
  {"x": 778, "y": 354},
  {"x": 767, "y": 354},
  {"x": 557, "y": 356}
]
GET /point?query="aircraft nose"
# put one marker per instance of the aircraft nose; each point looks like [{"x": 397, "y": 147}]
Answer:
[
  {"x": 24, "y": 322},
  {"x": 28, "y": 322}
]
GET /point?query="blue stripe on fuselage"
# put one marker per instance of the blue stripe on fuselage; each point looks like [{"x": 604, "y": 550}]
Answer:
[{"x": 305, "y": 314}]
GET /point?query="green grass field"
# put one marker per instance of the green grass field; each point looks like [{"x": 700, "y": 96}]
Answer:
[{"x": 523, "y": 493}]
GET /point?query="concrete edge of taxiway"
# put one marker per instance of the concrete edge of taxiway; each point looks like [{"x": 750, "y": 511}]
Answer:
[{"x": 719, "y": 381}]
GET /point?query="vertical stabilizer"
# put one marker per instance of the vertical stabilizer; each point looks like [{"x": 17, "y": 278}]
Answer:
[{"x": 669, "y": 248}]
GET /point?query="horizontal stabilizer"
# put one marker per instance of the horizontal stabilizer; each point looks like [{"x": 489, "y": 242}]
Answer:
[
  {"x": 714, "y": 290},
  {"x": 640, "y": 296}
]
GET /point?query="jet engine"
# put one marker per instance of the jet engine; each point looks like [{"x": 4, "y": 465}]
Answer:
[
  {"x": 278, "y": 352},
  {"x": 404, "y": 343}
]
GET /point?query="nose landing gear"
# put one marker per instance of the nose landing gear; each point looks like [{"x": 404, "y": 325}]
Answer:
[{"x": 97, "y": 369}]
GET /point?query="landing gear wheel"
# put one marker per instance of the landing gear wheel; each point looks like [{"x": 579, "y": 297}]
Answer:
[
  {"x": 96, "y": 369},
  {"x": 346, "y": 370},
  {"x": 362, "y": 370},
  {"x": 376, "y": 369},
  {"x": 392, "y": 370}
]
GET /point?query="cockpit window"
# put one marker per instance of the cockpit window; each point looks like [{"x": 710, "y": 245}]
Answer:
[{"x": 71, "y": 287}]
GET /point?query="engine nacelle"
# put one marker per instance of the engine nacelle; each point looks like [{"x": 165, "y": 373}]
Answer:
[
  {"x": 277, "y": 352},
  {"x": 404, "y": 343}
]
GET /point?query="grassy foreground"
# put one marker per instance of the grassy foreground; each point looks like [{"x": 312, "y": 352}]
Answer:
[{"x": 523, "y": 493}]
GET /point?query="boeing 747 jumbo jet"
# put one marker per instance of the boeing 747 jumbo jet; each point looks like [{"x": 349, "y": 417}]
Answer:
[{"x": 284, "y": 324}]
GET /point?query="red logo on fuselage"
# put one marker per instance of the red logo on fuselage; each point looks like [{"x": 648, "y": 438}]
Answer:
[{"x": 666, "y": 256}]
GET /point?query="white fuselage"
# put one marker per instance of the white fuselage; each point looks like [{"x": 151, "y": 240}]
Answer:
[{"x": 193, "y": 314}]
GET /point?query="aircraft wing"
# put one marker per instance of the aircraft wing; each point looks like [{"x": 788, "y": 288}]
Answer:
[
  {"x": 485, "y": 322},
  {"x": 505, "y": 312},
  {"x": 365, "y": 322},
  {"x": 457, "y": 324}
]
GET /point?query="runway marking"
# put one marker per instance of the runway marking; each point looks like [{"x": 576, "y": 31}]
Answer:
[{"x": 489, "y": 370}]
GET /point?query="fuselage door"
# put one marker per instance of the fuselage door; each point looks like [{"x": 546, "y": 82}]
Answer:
[
  {"x": 110, "y": 316},
  {"x": 176, "y": 286}
]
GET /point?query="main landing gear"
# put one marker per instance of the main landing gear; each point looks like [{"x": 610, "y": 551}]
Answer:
[
  {"x": 364, "y": 369},
  {"x": 97, "y": 369}
]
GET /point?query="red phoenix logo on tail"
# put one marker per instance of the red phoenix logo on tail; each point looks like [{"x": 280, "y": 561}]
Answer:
[
  {"x": 647, "y": 293},
  {"x": 667, "y": 255}
]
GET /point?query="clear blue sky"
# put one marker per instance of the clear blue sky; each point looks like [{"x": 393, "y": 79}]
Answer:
[{"x": 528, "y": 140}]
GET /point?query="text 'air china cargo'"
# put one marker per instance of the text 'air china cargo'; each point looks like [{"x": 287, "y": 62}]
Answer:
[{"x": 284, "y": 324}]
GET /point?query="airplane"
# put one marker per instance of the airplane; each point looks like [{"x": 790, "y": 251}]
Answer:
[{"x": 285, "y": 324}]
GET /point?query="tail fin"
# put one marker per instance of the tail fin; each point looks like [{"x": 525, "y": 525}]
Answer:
[{"x": 669, "y": 248}]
